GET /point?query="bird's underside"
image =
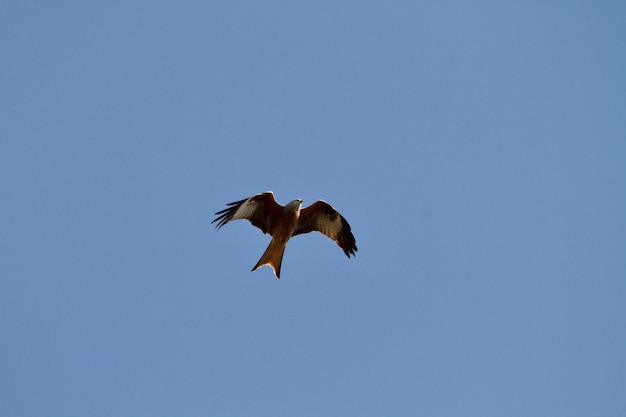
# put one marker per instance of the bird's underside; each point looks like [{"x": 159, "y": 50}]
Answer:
[{"x": 283, "y": 222}]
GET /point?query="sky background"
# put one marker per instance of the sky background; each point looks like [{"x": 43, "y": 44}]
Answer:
[{"x": 478, "y": 150}]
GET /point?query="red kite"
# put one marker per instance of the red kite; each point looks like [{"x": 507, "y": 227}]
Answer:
[{"x": 283, "y": 222}]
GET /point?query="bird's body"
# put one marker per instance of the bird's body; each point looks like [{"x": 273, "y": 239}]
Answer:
[
  {"x": 282, "y": 232},
  {"x": 283, "y": 222}
]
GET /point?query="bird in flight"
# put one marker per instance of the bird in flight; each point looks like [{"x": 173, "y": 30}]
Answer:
[{"x": 283, "y": 222}]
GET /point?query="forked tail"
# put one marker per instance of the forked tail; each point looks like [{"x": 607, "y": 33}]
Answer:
[{"x": 273, "y": 256}]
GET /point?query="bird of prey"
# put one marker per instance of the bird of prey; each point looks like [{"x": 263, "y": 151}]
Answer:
[{"x": 283, "y": 222}]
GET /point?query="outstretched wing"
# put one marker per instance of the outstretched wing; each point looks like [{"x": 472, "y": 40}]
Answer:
[
  {"x": 322, "y": 217},
  {"x": 260, "y": 209}
]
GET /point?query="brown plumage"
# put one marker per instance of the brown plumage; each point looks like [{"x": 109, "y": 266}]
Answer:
[{"x": 283, "y": 222}]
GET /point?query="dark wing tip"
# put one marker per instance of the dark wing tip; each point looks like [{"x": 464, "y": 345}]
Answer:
[
  {"x": 224, "y": 216},
  {"x": 221, "y": 220},
  {"x": 345, "y": 238}
]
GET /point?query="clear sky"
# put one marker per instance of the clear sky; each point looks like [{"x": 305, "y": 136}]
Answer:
[{"x": 478, "y": 150}]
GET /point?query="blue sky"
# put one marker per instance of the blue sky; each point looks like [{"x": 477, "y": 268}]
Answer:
[{"x": 477, "y": 150}]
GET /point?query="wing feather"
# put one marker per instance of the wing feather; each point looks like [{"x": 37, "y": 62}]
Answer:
[
  {"x": 322, "y": 217},
  {"x": 259, "y": 209}
]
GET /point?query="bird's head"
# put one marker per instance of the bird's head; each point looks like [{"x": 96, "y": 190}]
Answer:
[{"x": 294, "y": 205}]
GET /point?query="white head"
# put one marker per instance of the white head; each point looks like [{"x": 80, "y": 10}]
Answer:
[{"x": 294, "y": 205}]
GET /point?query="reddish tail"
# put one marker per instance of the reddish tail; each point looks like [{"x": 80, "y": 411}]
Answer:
[{"x": 273, "y": 256}]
